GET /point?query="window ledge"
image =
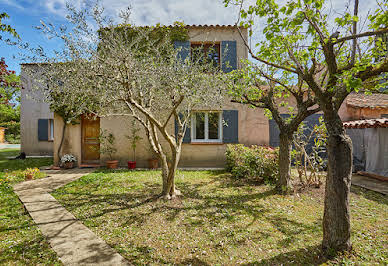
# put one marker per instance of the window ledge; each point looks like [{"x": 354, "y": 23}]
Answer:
[{"x": 206, "y": 143}]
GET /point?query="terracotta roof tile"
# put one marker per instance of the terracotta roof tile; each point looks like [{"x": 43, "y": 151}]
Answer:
[
  {"x": 361, "y": 100},
  {"x": 368, "y": 123}
]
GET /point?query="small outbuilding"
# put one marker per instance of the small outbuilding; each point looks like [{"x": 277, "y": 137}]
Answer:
[{"x": 370, "y": 145}]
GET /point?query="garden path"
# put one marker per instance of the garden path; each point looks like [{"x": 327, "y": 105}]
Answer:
[{"x": 74, "y": 243}]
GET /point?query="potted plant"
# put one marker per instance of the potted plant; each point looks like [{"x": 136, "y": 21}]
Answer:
[
  {"x": 134, "y": 138},
  {"x": 153, "y": 163},
  {"x": 68, "y": 161},
  {"x": 107, "y": 141},
  {"x": 30, "y": 173}
]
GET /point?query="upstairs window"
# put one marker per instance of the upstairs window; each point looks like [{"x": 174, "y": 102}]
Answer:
[
  {"x": 206, "y": 52},
  {"x": 206, "y": 127}
]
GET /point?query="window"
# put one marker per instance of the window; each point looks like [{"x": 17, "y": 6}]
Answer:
[
  {"x": 206, "y": 127},
  {"x": 51, "y": 130},
  {"x": 208, "y": 51}
]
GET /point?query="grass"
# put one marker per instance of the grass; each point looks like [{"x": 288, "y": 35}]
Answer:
[
  {"x": 21, "y": 242},
  {"x": 218, "y": 220}
]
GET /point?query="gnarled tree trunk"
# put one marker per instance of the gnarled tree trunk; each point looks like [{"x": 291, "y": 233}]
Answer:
[
  {"x": 61, "y": 143},
  {"x": 285, "y": 146},
  {"x": 336, "y": 218},
  {"x": 169, "y": 191}
]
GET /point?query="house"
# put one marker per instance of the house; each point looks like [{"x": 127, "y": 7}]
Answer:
[
  {"x": 36, "y": 119},
  {"x": 205, "y": 141},
  {"x": 204, "y": 144}
]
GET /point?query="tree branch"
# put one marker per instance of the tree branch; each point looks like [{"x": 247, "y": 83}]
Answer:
[
  {"x": 360, "y": 35},
  {"x": 262, "y": 60}
]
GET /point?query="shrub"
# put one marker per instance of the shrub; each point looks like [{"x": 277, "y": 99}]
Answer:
[
  {"x": 12, "y": 132},
  {"x": 253, "y": 162},
  {"x": 13, "y": 139}
]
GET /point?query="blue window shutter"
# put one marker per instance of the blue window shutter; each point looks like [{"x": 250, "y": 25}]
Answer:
[
  {"x": 184, "y": 51},
  {"x": 309, "y": 123},
  {"x": 187, "y": 136},
  {"x": 230, "y": 127},
  {"x": 228, "y": 56},
  {"x": 43, "y": 129},
  {"x": 274, "y": 131}
]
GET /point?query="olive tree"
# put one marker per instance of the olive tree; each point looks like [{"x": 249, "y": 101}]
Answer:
[
  {"x": 327, "y": 51},
  {"x": 139, "y": 72}
]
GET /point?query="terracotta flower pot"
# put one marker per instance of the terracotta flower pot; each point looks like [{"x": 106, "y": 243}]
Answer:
[
  {"x": 68, "y": 165},
  {"x": 131, "y": 164},
  {"x": 112, "y": 164},
  {"x": 29, "y": 176},
  {"x": 153, "y": 163}
]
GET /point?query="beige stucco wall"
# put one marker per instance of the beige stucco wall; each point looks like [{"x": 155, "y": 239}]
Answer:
[
  {"x": 253, "y": 129},
  {"x": 72, "y": 140},
  {"x": 32, "y": 108}
]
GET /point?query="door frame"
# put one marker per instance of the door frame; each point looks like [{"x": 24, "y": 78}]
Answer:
[{"x": 82, "y": 143}]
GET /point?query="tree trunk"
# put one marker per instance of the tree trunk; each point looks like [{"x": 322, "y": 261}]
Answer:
[
  {"x": 169, "y": 190},
  {"x": 284, "y": 183},
  {"x": 61, "y": 143},
  {"x": 336, "y": 218}
]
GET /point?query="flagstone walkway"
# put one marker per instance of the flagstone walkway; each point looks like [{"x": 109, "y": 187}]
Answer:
[{"x": 74, "y": 243}]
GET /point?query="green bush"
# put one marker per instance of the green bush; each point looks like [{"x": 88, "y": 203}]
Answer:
[
  {"x": 12, "y": 131},
  {"x": 13, "y": 139},
  {"x": 253, "y": 162}
]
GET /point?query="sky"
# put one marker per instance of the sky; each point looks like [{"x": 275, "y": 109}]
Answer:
[{"x": 26, "y": 14}]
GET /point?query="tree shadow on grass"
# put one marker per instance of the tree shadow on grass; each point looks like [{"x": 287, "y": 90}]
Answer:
[
  {"x": 370, "y": 195},
  {"x": 204, "y": 204},
  {"x": 304, "y": 256},
  {"x": 32, "y": 250}
]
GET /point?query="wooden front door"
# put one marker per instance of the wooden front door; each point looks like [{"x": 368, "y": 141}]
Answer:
[{"x": 90, "y": 142}]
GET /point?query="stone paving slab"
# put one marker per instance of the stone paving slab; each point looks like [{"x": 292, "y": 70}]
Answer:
[
  {"x": 74, "y": 243},
  {"x": 370, "y": 183}
]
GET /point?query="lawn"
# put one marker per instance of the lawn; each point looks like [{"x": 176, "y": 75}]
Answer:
[
  {"x": 21, "y": 242},
  {"x": 218, "y": 220}
]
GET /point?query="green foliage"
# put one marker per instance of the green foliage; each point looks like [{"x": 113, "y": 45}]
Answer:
[
  {"x": 107, "y": 143},
  {"x": 253, "y": 162},
  {"x": 9, "y": 94},
  {"x": 12, "y": 131},
  {"x": 9, "y": 113},
  {"x": 158, "y": 32},
  {"x": 7, "y": 28},
  {"x": 155, "y": 37}
]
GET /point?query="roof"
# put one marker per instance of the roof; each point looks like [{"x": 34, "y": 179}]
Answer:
[
  {"x": 33, "y": 63},
  {"x": 211, "y": 26},
  {"x": 361, "y": 100},
  {"x": 368, "y": 123}
]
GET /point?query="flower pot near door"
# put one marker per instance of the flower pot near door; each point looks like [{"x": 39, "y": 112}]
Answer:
[
  {"x": 131, "y": 164},
  {"x": 68, "y": 165},
  {"x": 152, "y": 163},
  {"x": 112, "y": 164}
]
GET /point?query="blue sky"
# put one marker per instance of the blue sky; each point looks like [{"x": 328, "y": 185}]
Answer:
[{"x": 25, "y": 14}]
